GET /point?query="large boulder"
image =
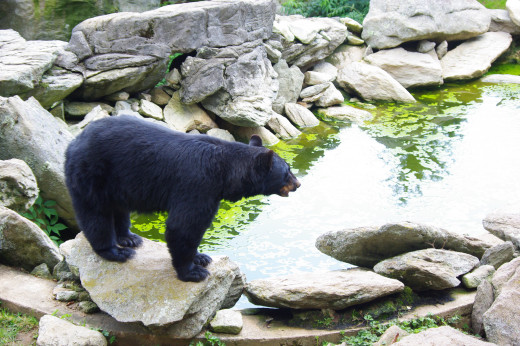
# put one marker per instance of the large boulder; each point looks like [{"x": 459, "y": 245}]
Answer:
[
  {"x": 501, "y": 21},
  {"x": 146, "y": 289},
  {"x": 56, "y": 84},
  {"x": 483, "y": 301},
  {"x": 473, "y": 58},
  {"x": 513, "y": 7},
  {"x": 410, "y": 69},
  {"x": 366, "y": 246},
  {"x": 139, "y": 44},
  {"x": 56, "y": 331},
  {"x": 306, "y": 41},
  {"x": 429, "y": 269},
  {"x": 24, "y": 244},
  {"x": 505, "y": 225},
  {"x": 18, "y": 186},
  {"x": 184, "y": 118},
  {"x": 321, "y": 290},
  {"x": 345, "y": 55},
  {"x": 290, "y": 81},
  {"x": 372, "y": 83},
  {"x": 30, "y": 133},
  {"x": 444, "y": 335},
  {"x": 392, "y": 22}
]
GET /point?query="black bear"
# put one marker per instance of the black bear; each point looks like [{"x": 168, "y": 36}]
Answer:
[{"x": 121, "y": 164}]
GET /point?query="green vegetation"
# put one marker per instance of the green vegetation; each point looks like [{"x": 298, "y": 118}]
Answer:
[
  {"x": 46, "y": 217},
  {"x": 12, "y": 325},
  {"x": 355, "y": 9},
  {"x": 211, "y": 340},
  {"x": 500, "y": 4}
]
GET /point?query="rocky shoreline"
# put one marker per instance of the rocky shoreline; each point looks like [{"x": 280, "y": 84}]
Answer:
[{"x": 231, "y": 76}]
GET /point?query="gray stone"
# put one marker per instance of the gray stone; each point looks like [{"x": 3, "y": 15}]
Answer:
[
  {"x": 425, "y": 46},
  {"x": 513, "y": 7},
  {"x": 88, "y": 307},
  {"x": 42, "y": 271},
  {"x": 429, "y": 269},
  {"x": 118, "y": 96},
  {"x": 56, "y": 84},
  {"x": 483, "y": 301},
  {"x": 372, "y": 83},
  {"x": 410, "y": 69},
  {"x": 160, "y": 97},
  {"x": 441, "y": 49},
  {"x": 352, "y": 25},
  {"x": 326, "y": 68},
  {"x": 366, "y": 246},
  {"x": 56, "y": 331},
  {"x": 330, "y": 97},
  {"x": 501, "y": 22},
  {"x": 221, "y": 133},
  {"x": 136, "y": 5},
  {"x": 282, "y": 127},
  {"x": 173, "y": 78},
  {"x": 314, "y": 78},
  {"x": 354, "y": 40},
  {"x": 244, "y": 134},
  {"x": 345, "y": 55},
  {"x": 505, "y": 225},
  {"x": 391, "y": 335},
  {"x": 67, "y": 296},
  {"x": 30, "y": 133},
  {"x": 23, "y": 243},
  {"x": 62, "y": 272},
  {"x": 474, "y": 57},
  {"x": 150, "y": 110},
  {"x": 503, "y": 275},
  {"x": 184, "y": 118},
  {"x": 290, "y": 81},
  {"x": 392, "y": 22},
  {"x": 321, "y": 290},
  {"x": 314, "y": 92},
  {"x": 345, "y": 113},
  {"x": 498, "y": 254},
  {"x": 475, "y": 277},
  {"x": 18, "y": 187},
  {"x": 180, "y": 307},
  {"x": 300, "y": 116},
  {"x": 95, "y": 114},
  {"x": 444, "y": 335},
  {"x": 227, "y": 321},
  {"x": 81, "y": 109},
  {"x": 502, "y": 319},
  {"x": 501, "y": 78}
]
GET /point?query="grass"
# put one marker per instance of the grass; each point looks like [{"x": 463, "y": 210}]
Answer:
[
  {"x": 17, "y": 329},
  {"x": 495, "y": 4}
]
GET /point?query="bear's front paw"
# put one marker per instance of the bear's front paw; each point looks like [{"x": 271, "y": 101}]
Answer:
[
  {"x": 116, "y": 254},
  {"x": 202, "y": 259},
  {"x": 130, "y": 240},
  {"x": 193, "y": 273}
]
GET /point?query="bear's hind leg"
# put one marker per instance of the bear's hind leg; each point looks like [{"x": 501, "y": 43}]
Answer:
[{"x": 125, "y": 238}]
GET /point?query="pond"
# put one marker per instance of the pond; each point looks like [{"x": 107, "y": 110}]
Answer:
[{"x": 447, "y": 160}]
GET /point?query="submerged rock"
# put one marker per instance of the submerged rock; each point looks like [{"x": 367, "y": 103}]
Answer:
[
  {"x": 321, "y": 290},
  {"x": 146, "y": 288}
]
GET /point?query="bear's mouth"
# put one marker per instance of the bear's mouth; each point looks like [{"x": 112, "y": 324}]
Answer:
[{"x": 291, "y": 187}]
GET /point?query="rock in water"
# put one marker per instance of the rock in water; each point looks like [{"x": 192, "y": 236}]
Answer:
[{"x": 146, "y": 288}]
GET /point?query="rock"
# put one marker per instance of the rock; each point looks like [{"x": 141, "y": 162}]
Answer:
[
  {"x": 483, "y": 301},
  {"x": 30, "y": 133},
  {"x": 62, "y": 272},
  {"x": 505, "y": 225},
  {"x": 127, "y": 107},
  {"x": 444, "y": 335},
  {"x": 226, "y": 321},
  {"x": 56, "y": 331},
  {"x": 391, "y": 335},
  {"x": 474, "y": 278},
  {"x": 474, "y": 57},
  {"x": 118, "y": 96},
  {"x": 430, "y": 269},
  {"x": 372, "y": 83},
  {"x": 425, "y": 46},
  {"x": 88, "y": 307},
  {"x": 282, "y": 127},
  {"x": 410, "y": 69},
  {"x": 23, "y": 63},
  {"x": 222, "y": 134},
  {"x": 354, "y": 40},
  {"x": 173, "y": 78},
  {"x": 147, "y": 38},
  {"x": 137, "y": 5},
  {"x": 314, "y": 92},
  {"x": 300, "y": 116},
  {"x": 335, "y": 290},
  {"x": 345, "y": 113},
  {"x": 345, "y": 55},
  {"x": 366, "y": 246},
  {"x": 235, "y": 291},
  {"x": 501, "y": 78},
  {"x": 390, "y": 23},
  {"x": 441, "y": 49},
  {"x": 18, "y": 187},
  {"x": 95, "y": 114},
  {"x": 314, "y": 78},
  {"x": 308, "y": 40},
  {"x": 503, "y": 275},
  {"x": 330, "y": 97},
  {"x": 42, "y": 271},
  {"x": 501, "y": 22},
  {"x": 513, "y": 7},
  {"x": 326, "y": 68},
  {"x": 160, "y": 97},
  {"x": 290, "y": 80},
  {"x": 244, "y": 134},
  {"x": 23, "y": 244},
  {"x": 502, "y": 319},
  {"x": 153, "y": 296},
  {"x": 498, "y": 254},
  {"x": 67, "y": 296},
  {"x": 56, "y": 84},
  {"x": 81, "y": 109},
  {"x": 185, "y": 118},
  {"x": 352, "y": 25},
  {"x": 150, "y": 110}
]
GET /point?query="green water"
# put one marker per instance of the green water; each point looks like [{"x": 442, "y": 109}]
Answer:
[{"x": 447, "y": 160}]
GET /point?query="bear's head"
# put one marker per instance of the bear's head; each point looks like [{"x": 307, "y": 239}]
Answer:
[{"x": 278, "y": 179}]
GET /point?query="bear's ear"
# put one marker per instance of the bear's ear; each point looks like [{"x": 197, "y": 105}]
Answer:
[
  {"x": 255, "y": 141},
  {"x": 264, "y": 161}
]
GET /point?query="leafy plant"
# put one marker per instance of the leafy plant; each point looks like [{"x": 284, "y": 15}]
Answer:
[
  {"x": 211, "y": 340},
  {"x": 355, "y": 9},
  {"x": 46, "y": 217}
]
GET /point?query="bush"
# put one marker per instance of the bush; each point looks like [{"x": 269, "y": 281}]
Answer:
[{"x": 355, "y": 9}]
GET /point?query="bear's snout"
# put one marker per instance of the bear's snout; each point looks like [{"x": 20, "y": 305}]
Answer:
[{"x": 290, "y": 187}]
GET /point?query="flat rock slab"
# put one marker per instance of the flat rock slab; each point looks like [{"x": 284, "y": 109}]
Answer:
[
  {"x": 430, "y": 269},
  {"x": 366, "y": 246},
  {"x": 323, "y": 290},
  {"x": 473, "y": 58},
  {"x": 444, "y": 335},
  {"x": 505, "y": 225},
  {"x": 146, "y": 289}
]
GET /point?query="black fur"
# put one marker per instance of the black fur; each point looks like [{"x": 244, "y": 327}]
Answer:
[{"x": 123, "y": 164}]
